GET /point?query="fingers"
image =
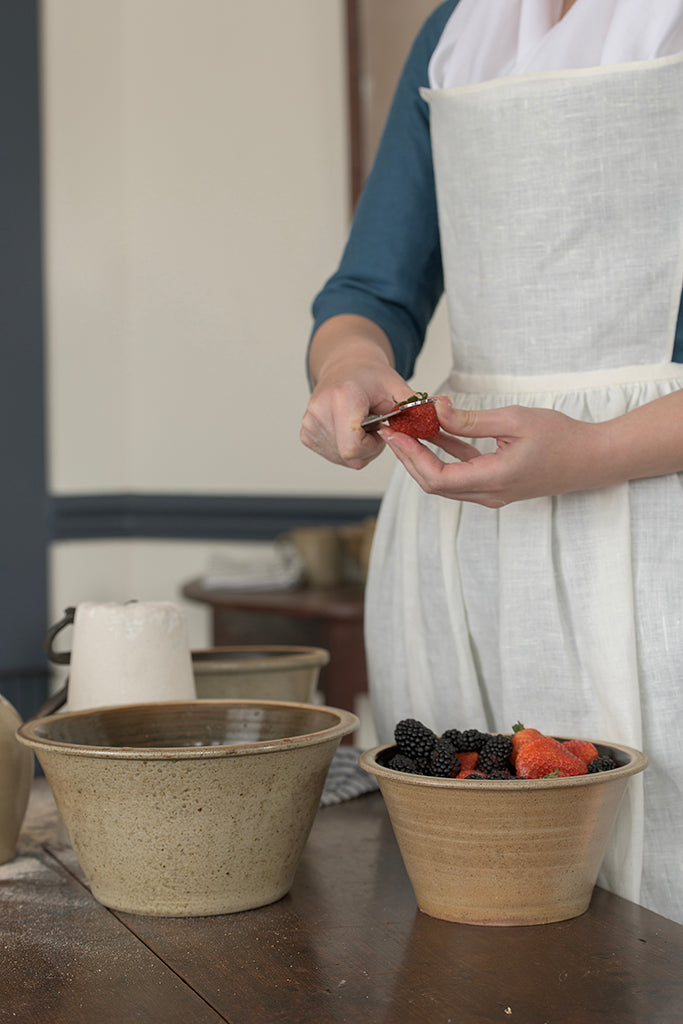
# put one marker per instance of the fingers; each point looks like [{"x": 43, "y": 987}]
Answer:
[
  {"x": 457, "y": 448},
  {"x": 477, "y": 422},
  {"x": 477, "y": 479},
  {"x": 331, "y": 428},
  {"x": 344, "y": 445}
]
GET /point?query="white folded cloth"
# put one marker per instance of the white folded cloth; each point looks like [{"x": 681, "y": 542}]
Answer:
[{"x": 255, "y": 565}]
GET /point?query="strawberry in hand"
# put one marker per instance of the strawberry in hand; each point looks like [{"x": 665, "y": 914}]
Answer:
[{"x": 419, "y": 421}]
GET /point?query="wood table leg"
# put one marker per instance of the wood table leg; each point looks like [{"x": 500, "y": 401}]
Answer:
[{"x": 345, "y": 677}]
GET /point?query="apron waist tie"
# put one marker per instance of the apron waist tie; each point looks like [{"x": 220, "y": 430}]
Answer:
[{"x": 582, "y": 380}]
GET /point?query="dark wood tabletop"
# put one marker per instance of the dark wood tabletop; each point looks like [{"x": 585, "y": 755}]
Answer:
[{"x": 347, "y": 944}]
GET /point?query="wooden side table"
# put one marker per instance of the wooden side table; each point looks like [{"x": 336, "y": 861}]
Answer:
[{"x": 329, "y": 617}]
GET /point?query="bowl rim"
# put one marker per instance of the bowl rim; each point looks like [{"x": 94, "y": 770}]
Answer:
[
  {"x": 276, "y": 655},
  {"x": 345, "y": 723},
  {"x": 637, "y": 763}
]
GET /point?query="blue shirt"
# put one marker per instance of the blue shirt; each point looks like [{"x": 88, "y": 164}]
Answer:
[{"x": 391, "y": 269}]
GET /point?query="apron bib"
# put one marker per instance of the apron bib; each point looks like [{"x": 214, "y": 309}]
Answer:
[{"x": 561, "y": 215}]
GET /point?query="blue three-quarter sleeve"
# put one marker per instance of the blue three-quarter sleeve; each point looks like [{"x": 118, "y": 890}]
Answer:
[{"x": 391, "y": 270}]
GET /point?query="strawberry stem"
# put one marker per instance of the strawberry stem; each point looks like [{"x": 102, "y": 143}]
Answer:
[{"x": 419, "y": 396}]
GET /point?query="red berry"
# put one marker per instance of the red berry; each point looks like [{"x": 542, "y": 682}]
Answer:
[
  {"x": 468, "y": 760},
  {"x": 545, "y": 756},
  {"x": 520, "y": 736},
  {"x": 418, "y": 421},
  {"x": 583, "y": 749}
]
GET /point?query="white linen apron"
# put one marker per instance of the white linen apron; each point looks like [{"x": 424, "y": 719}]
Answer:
[{"x": 561, "y": 211}]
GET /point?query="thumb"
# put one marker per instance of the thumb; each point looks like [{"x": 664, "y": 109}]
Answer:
[{"x": 474, "y": 422}]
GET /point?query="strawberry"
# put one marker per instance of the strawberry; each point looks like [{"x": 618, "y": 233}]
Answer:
[
  {"x": 583, "y": 749},
  {"x": 468, "y": 760},
  {"x": 420, "y": 421},
  {"x": 520, "y": 736},
  {"x": 545, "y": 756},
  {"x": 467, "y": 773}
]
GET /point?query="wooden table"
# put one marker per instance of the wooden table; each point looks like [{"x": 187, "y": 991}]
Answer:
[
  {"x": 329, "y": 617},
  {"x": 345, "y": 945}
]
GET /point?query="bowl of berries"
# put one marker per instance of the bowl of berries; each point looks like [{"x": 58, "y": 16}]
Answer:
[
  {"x": 188, "y": 808},
  {"x": 501, "y": 829}
]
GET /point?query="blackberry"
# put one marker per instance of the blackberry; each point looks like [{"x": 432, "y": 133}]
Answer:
[
  {"x": 472, "y": 740},
  {"x": 443, "y": 760},
  {"x": 501, "y": 744},
  {"x": 495, "y": 754},
  {"x": 455, "y": 736},
  {"x": 414, "y": 739},
  {"x": 601, "y": 764},
  {"x": 499, "y": 773},
  {"x": 401, "y": 763}
]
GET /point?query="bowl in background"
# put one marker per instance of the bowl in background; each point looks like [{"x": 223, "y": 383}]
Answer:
[
  {"x": 266, "y": 672},
  {"x": 188, "y": 808},
  {"x": 503, "y": 852}
]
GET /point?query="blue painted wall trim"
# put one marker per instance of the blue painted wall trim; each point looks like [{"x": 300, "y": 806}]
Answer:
[
  {"x": 198, "y": 517},
  {"x": 23, "y": 527}
]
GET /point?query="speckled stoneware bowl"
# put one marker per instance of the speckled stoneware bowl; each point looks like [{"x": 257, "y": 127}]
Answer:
[
  {"x": 509, "y": 852},
  {"x": 188, "y": 808},
  {"x": 267, "y": 672}
]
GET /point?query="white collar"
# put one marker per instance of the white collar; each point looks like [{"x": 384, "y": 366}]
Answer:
[{"x": 485, "y": 39}]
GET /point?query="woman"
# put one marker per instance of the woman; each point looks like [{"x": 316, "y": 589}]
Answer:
[{"x": 533, "y": 570}]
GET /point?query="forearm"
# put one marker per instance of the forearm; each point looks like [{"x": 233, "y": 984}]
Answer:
[
  {"x": 647, "y": 441},
  {"x": 343, "y": 344}
]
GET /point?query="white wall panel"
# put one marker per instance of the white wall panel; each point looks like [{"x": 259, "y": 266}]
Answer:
[{"x": 196, "y": 197}]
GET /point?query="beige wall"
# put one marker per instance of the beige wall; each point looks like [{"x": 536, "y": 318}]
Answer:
[{"x": 195, "y": 198}]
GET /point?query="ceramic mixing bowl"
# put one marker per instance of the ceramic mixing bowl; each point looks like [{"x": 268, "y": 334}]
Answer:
[
  {"x": 266, "y": 672},
  {"x": 509, "y": 852},
  {"x": 188, "y": 808}
]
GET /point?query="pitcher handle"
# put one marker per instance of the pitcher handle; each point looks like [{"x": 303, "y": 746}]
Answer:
[{"x": 59, "y": 657}]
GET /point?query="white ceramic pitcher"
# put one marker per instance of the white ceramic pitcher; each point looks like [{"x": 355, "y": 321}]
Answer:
[{"x": 125, "y": 654}]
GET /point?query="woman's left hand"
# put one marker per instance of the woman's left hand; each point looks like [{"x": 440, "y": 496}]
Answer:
[{"x": 539, "y": 452}]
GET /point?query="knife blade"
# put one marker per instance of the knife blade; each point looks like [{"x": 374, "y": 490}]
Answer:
[{"x": 373, "y": 422}]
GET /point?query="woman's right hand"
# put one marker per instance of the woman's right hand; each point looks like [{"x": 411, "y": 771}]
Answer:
[{"x": 351, "y": 366}]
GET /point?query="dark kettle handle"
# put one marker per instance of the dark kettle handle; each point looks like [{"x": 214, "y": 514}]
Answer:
[{"x": 59, "y": 657}]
